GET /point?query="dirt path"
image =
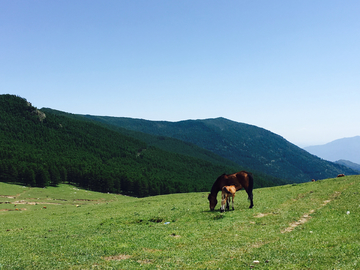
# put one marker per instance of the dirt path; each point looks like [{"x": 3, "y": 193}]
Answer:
[
  {"x": 13, "y": 196},
  {"x": 307, "y": 216}
]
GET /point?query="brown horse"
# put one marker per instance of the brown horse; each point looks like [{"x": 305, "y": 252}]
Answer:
[{"x": 240, "y": 180}]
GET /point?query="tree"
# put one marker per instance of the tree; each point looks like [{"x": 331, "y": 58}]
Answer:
[
  {"x": 29, "y": 177},
  {"x": 55, "y": 177},
  {"x": 42, "y": 177}
]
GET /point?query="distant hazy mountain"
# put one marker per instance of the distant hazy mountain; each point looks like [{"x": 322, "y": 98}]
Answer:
[
  {"x": 346, "y": 148},
  {"x": 247, "y": 145},
  {"x": 349, "y": 164}
]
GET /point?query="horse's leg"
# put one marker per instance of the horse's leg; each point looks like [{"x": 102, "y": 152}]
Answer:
[
  {"x": 223, "y": 201},
  {"x": 228, "y": 203},
  {"x": 250, "y": 198},
  {"x": 233, "y": 196}
]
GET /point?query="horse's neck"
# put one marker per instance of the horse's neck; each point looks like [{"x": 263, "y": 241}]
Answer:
[{"x": 215, "y": 189}]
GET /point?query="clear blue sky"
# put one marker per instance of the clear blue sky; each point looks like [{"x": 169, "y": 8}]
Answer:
[{"x": 292, "y": 67}]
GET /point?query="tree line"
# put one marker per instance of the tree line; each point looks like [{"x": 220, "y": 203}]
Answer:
[
  {"x": 38, "y": 151},
  {"x": 60, "y": 149}
]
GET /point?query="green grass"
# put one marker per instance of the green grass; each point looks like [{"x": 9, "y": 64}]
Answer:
[{"x": 80, "y": 229}]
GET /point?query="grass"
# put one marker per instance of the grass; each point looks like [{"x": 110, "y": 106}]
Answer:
[{"x": 304, "y": 226}]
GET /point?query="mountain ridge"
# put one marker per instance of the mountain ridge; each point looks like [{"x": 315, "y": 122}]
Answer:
[
  {"x": 345, "y": 148},
  {"x": 247, "y": 145},
  {"x": 349, "y": 164}
]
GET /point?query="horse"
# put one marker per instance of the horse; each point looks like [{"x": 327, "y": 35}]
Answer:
[
  {"x": 341, "y": 175},
  {"x": 227, "y": 193},
  {"x": 240, "y": 180}
]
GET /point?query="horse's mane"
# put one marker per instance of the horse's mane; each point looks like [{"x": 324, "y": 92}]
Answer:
[{"x": 215, "y": 188}]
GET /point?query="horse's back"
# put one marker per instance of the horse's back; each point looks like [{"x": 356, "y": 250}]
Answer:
[
  {"x": 240, "y": 180},
  {"x": 245, "y": 179},
  {"x": 229, "y": 189}
]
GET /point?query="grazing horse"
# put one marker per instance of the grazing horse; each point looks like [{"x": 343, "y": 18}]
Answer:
[
  {"x": 240, "y": 180},
  {"x": 341, "y": 175},
  {"x": 227, "y": 193}
]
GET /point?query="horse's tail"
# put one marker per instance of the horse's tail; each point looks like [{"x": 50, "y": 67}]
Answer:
[{"x": 251, "y": 186}]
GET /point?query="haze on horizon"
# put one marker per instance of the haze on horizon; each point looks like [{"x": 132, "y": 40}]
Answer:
[{"x": 291, "y": 67}]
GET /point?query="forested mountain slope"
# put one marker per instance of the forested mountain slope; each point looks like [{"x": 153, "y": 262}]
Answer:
[
  {"x": 177, "y": 146},
  {"x": 349, "y": 164},
  {"x": 41, "y": 149},
  {"x": 165, "y": 143},
  {"x": 249, "y": 146}
]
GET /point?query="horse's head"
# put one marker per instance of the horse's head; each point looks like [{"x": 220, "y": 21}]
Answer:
[{"x": 213, "y": 201}]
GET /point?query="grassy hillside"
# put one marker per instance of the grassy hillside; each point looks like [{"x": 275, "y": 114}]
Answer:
[
  {"x": 305, "y": 226},
  {"x": 249, "y": 146},
  {"x": 40, "y": 149}
]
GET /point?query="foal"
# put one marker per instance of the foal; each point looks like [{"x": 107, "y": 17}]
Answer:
[{"x": 227, "y": 192}]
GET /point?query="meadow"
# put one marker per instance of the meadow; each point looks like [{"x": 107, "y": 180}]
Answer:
[{"x": 312, "y": 225}]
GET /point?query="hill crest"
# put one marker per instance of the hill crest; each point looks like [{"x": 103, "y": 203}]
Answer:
[{"x": 247, "y": 145}]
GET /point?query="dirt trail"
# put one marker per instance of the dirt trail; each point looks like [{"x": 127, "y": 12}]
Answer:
[
  {"x": 307, "y": 216},
  {"x": 15, "y": 209},
  {"x": 12, "y": 196},
  {"x": 302, "y": 220},
  {"x": 34, "y": 203},
  {"x": 9, "y": 197},
  {"x": 117, "y": 257}
]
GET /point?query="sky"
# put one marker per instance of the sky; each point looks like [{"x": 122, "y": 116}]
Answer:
[{"x": 291, "y": 67}]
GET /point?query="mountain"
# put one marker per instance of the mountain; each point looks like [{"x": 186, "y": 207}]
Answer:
[
  {"x": 246, "y": 145},
  {"x": 41, "y": 148},
  {"x": 177, "y": 146},
  {"x": 346, "y": 148},
  {"x": 349, "y": 164},
  {"x": 165, "y": 143}
]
